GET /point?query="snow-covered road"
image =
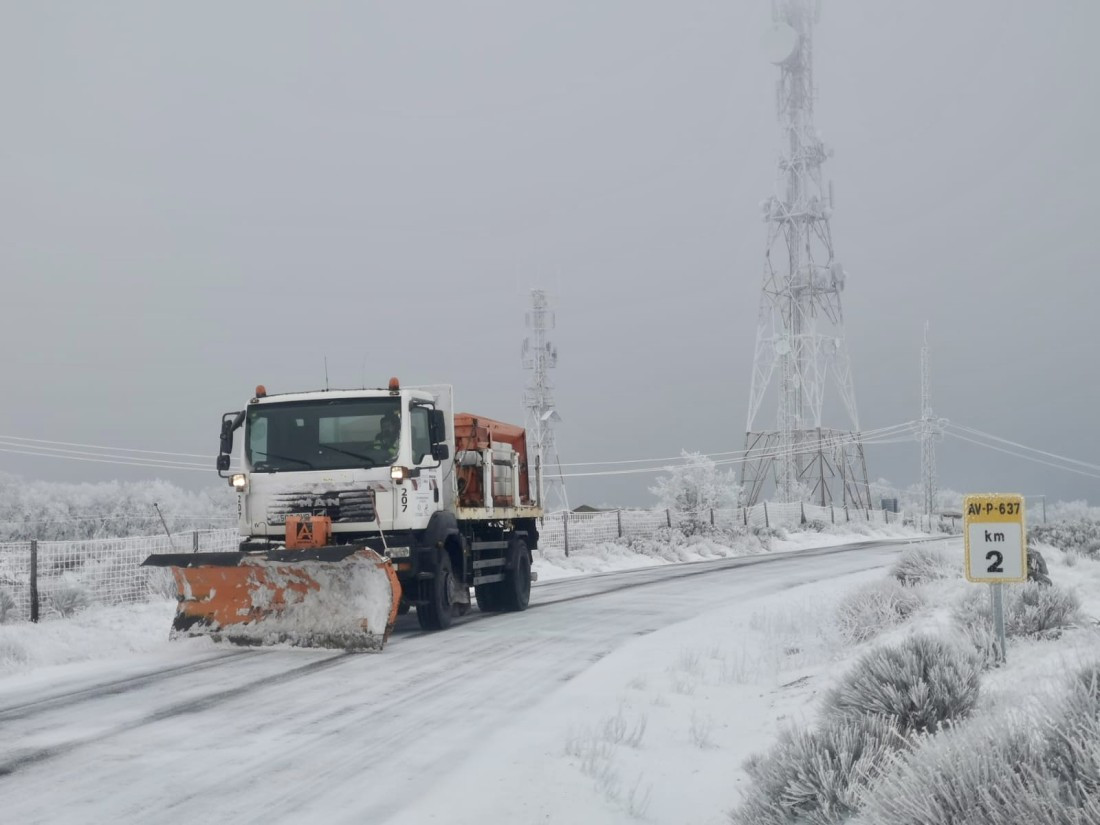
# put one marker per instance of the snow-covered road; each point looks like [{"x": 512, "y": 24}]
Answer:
[{"x": 301, "y": 735}]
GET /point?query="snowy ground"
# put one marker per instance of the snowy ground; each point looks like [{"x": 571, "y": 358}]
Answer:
[
  {"x": 609, "y": 556},
  {"x": 630, "y": 694},
  {"x": 136, "y": 631}
]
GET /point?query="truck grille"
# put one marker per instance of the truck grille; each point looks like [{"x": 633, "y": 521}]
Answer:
[{"x": 338, "y": 505}]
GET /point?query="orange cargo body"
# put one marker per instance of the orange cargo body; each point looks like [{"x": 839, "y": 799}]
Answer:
[{"x": 477, "y": 433}]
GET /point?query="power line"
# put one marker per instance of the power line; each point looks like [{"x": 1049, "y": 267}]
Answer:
[
  {"x": 1023, "y": 456},
  {"x": 96, "y": 447},
  {"x": 163, "y": 466},
  {"x": 899, "y": 428},
  {"x": 992, "y": 437},
  {"x": 805, "y": 448}
]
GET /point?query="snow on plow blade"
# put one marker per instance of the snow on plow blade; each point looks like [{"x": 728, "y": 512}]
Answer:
[{"x": 340, "y": 597}]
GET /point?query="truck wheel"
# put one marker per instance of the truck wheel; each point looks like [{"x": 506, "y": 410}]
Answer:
[
  {"x": 487, "y": 601},
  {"x": 438, "y": 613},
  {"x": 516, "y": 590}
]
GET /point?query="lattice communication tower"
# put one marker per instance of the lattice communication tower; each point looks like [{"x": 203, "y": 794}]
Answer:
[
  {"x": 931, "y": 430},
  {"x": 540, "y": 356},
  {"x": 800, "y": 344}
]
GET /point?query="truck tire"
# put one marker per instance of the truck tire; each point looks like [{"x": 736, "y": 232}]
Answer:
[
  {"x": 487, "y": 597},
  {"x": 438, "y": 612},
  {"x": 515, "y": 592}
]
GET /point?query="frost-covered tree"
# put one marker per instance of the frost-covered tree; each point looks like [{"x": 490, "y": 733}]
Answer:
[
  {"x": 51, "y": 510},
  {"x": 696, "y": 486}
]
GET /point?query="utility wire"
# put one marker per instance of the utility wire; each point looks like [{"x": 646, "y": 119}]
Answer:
[
  {"x": 163, "y": 466},
  {"x": 95, "y": 447},
  {"x": 992, "y": 437},
  {"x": 65, "y": 452},
  {"x": 1024, "y": 456},
  {"x": 864, "y": 435}
]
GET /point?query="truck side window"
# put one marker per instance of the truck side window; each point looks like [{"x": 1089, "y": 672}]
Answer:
[{"x": 421, "y": 437}]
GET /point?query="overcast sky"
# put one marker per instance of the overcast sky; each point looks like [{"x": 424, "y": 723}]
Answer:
[{"x": 199, "y": 197}]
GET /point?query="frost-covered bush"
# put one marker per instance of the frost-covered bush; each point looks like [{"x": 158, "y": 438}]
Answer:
[
  {"x": 867, "y": 611},
  {"x": 50, "y": 511},
  {"x": 69, "y": 596},
  {"x": 918, "y": 685},
  {"x": 1030, "y": 609},
  {"x": 1072, "y": 752},
  {"x": 697, "y": 486},
  {"x": 816, "y": 776},
  {"x": 1043, "y": 770},
  {"x": 766, "y": 533},
  {"x": 984, "y": 774},
  {"x": 7, "y": 604},
  {"x": 921, "y": 564},
  {"x": 1080, "y": 536}
]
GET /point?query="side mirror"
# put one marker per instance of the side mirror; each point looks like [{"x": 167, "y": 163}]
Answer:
[
  {"x": 441, "y": 452},
  {"x": 226, "y": 438},
  {"x": 230, "y": 421},
  {"x": 437, "y": 427}
]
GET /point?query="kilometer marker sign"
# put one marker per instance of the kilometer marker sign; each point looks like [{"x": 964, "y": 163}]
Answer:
[{"x": 996, "y": 544}]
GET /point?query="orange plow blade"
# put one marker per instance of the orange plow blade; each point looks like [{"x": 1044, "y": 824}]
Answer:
[{"x": 337, "y": 597}]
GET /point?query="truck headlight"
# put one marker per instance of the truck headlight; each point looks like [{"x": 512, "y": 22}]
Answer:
[
  {"x": 239, "y": 481},
  {"x": 397, "y": 473}
]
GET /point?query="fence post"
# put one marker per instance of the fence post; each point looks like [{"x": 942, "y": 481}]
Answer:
[
  {"x": 668, "y": 518},
  {"x": 565, "y": 531},
  {"x": 711, "y": 516},
  {"x": 832, "y": 513},
  {"x": 619, "y": 518},
  {"x": 847, "y": 516},
  {"x": 802, "y": 507},
  {"x": 194, "y": 541},
  {"x": 34, "y": 580},
  {"x": 745, "y": 515},
  {"x": 886, "y": 515},
  {"x": 767, "y": 523}
]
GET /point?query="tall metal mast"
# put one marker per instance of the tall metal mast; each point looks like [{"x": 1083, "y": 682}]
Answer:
[
  {"x": 931, "y": 429},
  {"x": 800, "y": 335},
  {"x": 540, "y": 356}
]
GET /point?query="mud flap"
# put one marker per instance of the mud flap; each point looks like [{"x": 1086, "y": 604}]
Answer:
[{"x": 336, "y": 597}]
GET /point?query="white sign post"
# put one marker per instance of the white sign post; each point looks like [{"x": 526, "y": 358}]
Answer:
[{"x": 996, "y": 548}]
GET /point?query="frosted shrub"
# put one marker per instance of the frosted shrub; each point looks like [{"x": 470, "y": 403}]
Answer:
[
  {"x": 867, "y": 611},
  {"x": 917, "y": 685},
  {"x": 1079, "y": 536},
  {"x": 1040, "y": 772},
  {"x": 987, "y": 774},
  {"x": 816, "y": 776},
  {"x": 1072, "y": 754},
  {"x": 921, "y": 564},
  {"x": 69, "y": 596},
  {"x": 1031, "y": 609},
  {"x": 7, "y": 605}
]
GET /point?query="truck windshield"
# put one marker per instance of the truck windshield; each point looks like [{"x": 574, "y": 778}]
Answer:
[{"x": 338, "y": 434}]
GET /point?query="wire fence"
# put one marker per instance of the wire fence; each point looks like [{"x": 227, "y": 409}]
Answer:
[
  {"x": 572, "y": 531},
  {"x": 43, "y": 578}
]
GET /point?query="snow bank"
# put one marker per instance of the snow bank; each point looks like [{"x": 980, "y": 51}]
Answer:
[
  {"x": 98, "y": 632},
  {"x": 673, "y": 547}
]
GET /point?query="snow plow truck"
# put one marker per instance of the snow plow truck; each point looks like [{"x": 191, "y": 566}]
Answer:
[{"x": 355, "y": 506}]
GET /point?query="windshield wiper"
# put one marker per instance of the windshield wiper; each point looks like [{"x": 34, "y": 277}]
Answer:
[
  {"x": 281, "y": 458},
  {"x": 373, "y": 463}
]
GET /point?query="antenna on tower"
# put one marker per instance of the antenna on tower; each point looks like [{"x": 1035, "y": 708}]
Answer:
[
  {"x": 539, "y": 355},
  {"x": 800, "y": 333},
  {"x": 931, "y": 430}
]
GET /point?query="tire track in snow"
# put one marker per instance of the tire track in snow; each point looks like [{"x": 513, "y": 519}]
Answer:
[
  {"x": 201, "y": 703},
  {"x": 26, "y": 710}
]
